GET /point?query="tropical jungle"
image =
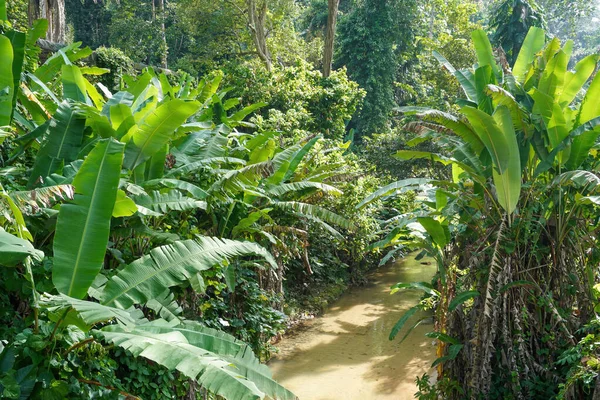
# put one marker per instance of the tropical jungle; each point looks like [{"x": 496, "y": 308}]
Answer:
[{"x": 299, "y": 199}]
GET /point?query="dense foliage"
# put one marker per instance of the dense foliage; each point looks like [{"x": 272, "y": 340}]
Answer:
[
  {"x": 513, "y": 232},
  {"x": 182, "y": 179},
  {"x": 154, "y": 218}
]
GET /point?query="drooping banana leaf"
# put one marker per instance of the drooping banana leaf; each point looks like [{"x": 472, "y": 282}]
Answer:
[
  {"x": 464, "y": 77},
  {"x": 282, "y": 189},
  {"x": 311, "y": 210},
  {"x": 166, "y": 306},
  {"x": 83, "y": 225},
  {"x": 14, "y": 250},
  {"x": 90, "y": 312},
  {"x": 584, "y": 139},
  {"x": 170, "y": 265},
  {"x": 61, "y": 145},
  {"x": 395, "y": 187},
  {"x": 192, "y": 189},
  {"x": 232, "y": 377},
  {"x": 172, "y": 200},
  {"x": 52, "y": 66},
  {"x": 237, "y": 352}
]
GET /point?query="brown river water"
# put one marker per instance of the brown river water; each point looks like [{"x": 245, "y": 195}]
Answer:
[{"x": 346, "y": 355}]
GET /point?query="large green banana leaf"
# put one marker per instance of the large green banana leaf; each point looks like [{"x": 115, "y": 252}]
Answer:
[
  {"x": 284, "y": 188},
  {"x": 61, "y": 145},
  {"x": 487, "y": 130},
  {"x": 553, "y": 117},
  {"x": 83, "y": 226},
  {"x": 312, "y": 210},
  {"x": 498, "y": 135},
  {"x": 464, "y": 77},
  {"x": 165, "y": 202},
  {"x": 483, "y": 48},
  {"x": 534, "y": 42},
  {"x": 585, "y": 137},
  {"x": 574, "y": 81},
  {"x": 237, "y": 352},
  {"x": 166, "y": 306},
  {"x": 155, "y": 130},
  {"x": 17, "y": 40},
  {"x": 7, "y": 88},
  {"x": 508, "y": 181},
  {"x": 590, "y": 106},
  {"x": 393, "y": 188},
  {"x": 299, "y": 156},
  {"x": 66, "y": 55},
  {"x": 73, "y": 84},
  {"x": 91, "y": 313},
  {"x": 14, "y": 250},
  {"x": 192, "y": 189},
  {"x": 193, "y": 350},
  {"x": 170, "y": 265},
  {"x": 553, "y": 77}
]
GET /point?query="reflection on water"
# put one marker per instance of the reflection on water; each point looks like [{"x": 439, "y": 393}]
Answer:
[{"x": 346, "y": 354}]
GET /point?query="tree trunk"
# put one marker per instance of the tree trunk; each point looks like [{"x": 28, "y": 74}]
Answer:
[
  {"x": 54, "y": 12},
  {"x": 431, "y": 21},
  {"x": 165, "y": 52},
  {"x": 256, "y": 23},
  {"x": 596, "y": 395},
  {"x": 330, "y": 36}
]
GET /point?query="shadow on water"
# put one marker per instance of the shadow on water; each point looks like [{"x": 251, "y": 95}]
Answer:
[{"x": 346, "y": 354}]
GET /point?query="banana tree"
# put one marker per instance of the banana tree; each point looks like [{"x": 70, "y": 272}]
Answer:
[
  {"x": 94, "y": 147},
  {"x": 520, "y": 150}
]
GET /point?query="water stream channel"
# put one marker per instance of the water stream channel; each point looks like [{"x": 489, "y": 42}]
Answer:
[{"x": 346, "y": 355}]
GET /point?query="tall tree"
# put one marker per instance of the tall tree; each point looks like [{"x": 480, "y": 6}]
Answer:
[
  {"x": 257, "y": 16},
  {"x": 54, "y": 12},
  {"x": 90, "y": 20},
  {"x": 511, "y": 20},
  {"x": 163, "y": 35},
  {"x": 330, "y": 36},
  {"x": 372, "y": 38}
]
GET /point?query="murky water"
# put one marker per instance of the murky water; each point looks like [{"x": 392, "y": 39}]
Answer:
[{"x": 346, "y": 354}]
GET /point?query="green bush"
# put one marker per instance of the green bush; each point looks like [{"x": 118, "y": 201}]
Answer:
[
  {"x": 117, "y": 62},
  {"x": 299, "y": 100}
]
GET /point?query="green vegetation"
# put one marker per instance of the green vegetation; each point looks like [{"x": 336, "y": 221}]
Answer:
[
  {"x": 513, "y": 231},
  {"x": 182, "y": 179}
]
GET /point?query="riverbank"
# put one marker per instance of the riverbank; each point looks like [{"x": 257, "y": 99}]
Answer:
[{"x": 346, "y": 353}]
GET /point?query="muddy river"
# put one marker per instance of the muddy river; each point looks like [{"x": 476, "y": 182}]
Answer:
[{"x": 346, "y": 355}]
